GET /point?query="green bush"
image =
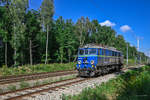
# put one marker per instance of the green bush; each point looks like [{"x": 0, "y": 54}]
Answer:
[
  {"x": 133, "y": 85},
  {"x": 28, "y": 69}
]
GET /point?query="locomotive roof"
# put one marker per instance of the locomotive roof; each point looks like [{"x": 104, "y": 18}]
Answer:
[{"x": 99, "y": 46}]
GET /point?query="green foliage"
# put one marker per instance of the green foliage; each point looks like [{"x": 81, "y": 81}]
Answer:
[
  {"x": 34, "y": 36},
  {"x": 17, "y": 12},
  {"x": 5, "y": 71},
  {"x": 47, "y": 11},
  {"x": 133, "y": 85}
]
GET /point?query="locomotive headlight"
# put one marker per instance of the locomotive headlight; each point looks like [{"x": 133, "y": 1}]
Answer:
[
  {"x": 79, "y": 62},
  {"x": 92, "y": 62}
]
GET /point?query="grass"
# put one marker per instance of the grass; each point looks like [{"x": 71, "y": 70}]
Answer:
[
  {"x": 28, "y": 69},
  {"x": 131, "y": 62},
  {"x": 1, "y": 90},
  {"x": 11, "y": 87},
  {"x": 45, "y": 82},
  {"x": 37, "y": 83},
  {"x": 133, "y": 85},
  {"x": 24, "y": 85}
]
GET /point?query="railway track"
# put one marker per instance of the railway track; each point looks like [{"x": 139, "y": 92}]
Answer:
[
  {"x": 48, "y": 88},
  {"x": 35, "y": 76},
  {"x": 13, "y": 79},
  {"x": 19, "y": 94}
]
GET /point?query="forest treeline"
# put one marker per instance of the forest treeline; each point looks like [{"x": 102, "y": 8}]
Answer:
[{"x": 30, "y": 36}]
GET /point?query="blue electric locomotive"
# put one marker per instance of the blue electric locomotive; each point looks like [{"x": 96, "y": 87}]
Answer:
[{"x": 96, "y": 60}]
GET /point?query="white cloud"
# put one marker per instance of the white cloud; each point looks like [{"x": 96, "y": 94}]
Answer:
[
  {"x": 107, "y": 23},
  {"x": 125, "y": 28},
  {"x": 147, "y": 53}
]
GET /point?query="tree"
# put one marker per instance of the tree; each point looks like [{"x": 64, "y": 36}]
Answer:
[
  {"x": 5, "y": 25},
  {"x": 60, "y": 39},
  {"x": 71, "y": 41},
  {"x": 3, "y": 32},
  {"x": 34, "y": 37},
  {"x": 17, "y": 12},
  {"x": 47, "y": 11},
  {"x": 32, "y": 30},
  {"x": 80, "y": 30}
]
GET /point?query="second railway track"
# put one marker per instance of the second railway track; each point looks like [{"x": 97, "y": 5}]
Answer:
[
  {"x": 19, "y": 94},
  {"x": 13, "y": 79}
]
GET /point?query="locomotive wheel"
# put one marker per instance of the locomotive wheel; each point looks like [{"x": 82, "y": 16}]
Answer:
[
  {"x": 118, "y": 68},
  {"x": 92, "y": 74}
]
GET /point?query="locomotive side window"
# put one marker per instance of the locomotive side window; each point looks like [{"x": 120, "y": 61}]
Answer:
[
  {"x": 116, "y": 54},
  {"x": 103, "y": 51},
  {"x": 110, "y": 53},
  {"x": 119, "y": 54},
  {"x": 107, "y": 52},
  {"x": 92, "y": 51},
  {"x": 86, "y": 51},
  {"x": 81, "y": 52},
  {"x": 100, "y": 51},
  {"x": 113, "y": 53}
]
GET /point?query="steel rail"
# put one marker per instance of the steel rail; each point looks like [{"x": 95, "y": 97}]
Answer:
[
  {"x": 34, "y": 77},
  {"x": 43, "y": 90}
]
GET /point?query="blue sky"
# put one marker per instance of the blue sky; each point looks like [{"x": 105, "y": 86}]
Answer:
[{"x": 132, "y": 15}]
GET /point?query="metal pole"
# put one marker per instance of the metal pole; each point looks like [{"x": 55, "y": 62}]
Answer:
[
  {"x": 127, "y": 54},
  {"x": 138, "y": 44},
  {"x": 135, "y": 59},
  {"x": 138, "y": 47}
]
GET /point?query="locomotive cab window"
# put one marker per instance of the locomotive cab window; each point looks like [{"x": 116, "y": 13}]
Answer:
[
  {"x": 92, "y": 51},
  {"x": 81, "y": 52}
]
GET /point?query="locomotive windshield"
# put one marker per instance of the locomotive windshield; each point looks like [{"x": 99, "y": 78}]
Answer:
[
  {"x": 92, "y": 51},
  {"x": 86, "y": 51},
  {"x": 81, "y": 52}
]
